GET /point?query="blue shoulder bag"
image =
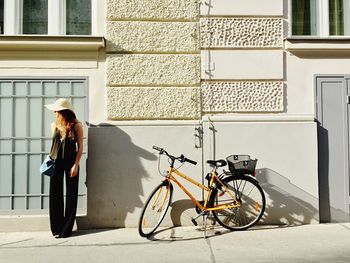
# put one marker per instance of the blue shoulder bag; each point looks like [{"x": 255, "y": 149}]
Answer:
[{"x": 48, "y": 166}]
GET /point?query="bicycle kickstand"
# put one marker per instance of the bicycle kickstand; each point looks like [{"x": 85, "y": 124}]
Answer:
[
  {"x": 205, "y": 215},
  {"x": 205, "y": 225}
]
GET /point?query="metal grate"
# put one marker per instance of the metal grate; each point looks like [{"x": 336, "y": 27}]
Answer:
[{"x": 25, "y": 138}]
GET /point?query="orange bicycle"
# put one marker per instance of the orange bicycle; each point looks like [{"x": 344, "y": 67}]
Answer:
[{"x": 235, "y": 198}]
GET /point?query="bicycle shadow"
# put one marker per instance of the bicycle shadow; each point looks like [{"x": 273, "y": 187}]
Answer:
[
  {"x": 286, "y": 204},
  {"x": 174, "y": 233}
]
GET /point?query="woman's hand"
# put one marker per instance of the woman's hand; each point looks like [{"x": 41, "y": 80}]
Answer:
[{"x": 74, "y": 170}]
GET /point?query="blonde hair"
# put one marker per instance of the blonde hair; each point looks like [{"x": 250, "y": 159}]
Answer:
[{"x": 65, "y": 122}]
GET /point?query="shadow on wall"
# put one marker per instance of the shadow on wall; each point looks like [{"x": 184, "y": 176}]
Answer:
[
  {"x": 285, "y": 202},
  {"x": 114, "y": 189},
  {"x": 182, "y": 211},
  {"x": 323, "y": 173}
]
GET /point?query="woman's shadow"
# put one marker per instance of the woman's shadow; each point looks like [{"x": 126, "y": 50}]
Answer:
[{"x": 114, "y": 177}]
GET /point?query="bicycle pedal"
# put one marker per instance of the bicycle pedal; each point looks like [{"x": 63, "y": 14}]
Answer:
[{"x": 194, "y": 222}]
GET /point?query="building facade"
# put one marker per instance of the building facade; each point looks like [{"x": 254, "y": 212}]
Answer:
[{"x": 206, "y": 79}]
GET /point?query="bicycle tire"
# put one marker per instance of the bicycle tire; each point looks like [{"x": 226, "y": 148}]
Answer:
[
  {"x": 251, "y": 197},
  {"x": 155, "y": 209}
]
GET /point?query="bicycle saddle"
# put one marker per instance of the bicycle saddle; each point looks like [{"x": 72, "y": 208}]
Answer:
[{"x": 217, "y": 163}]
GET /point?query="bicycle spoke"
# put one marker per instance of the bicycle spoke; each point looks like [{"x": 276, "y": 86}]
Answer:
[
  {"x": 155, "y": 209},
  {"x": 250, "y": 207}
]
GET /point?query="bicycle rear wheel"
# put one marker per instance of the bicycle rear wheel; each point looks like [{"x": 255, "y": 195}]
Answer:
[
  {"x": 155, "y": 209},
  {"x": 250, "y": 198}
]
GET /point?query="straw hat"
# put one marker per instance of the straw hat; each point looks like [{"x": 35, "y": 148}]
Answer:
[{"x": 60, "y": 104}]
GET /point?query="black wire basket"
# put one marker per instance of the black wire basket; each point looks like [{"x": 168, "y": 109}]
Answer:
[{"x": 241, "y": 164}]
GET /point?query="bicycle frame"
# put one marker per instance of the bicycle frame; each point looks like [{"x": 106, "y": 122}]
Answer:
[{"x": 214, "y": 176}]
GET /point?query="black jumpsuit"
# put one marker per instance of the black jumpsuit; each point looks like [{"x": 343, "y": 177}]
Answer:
[{"x": 64, "y": 151}]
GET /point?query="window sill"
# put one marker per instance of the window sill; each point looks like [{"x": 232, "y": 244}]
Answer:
[
  {"x": 50, "y": 43},
  {"x": 309, "y": 44}
]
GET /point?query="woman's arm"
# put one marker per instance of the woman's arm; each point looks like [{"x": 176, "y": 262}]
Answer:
[
  {"x": 53, "y": 128},
  {"x": 80, "y": 136}
]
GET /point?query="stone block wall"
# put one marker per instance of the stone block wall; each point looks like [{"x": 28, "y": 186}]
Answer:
[
  {"x": 242, "y": 56},
  {"x": 153, "y": 59},
  {"x": 181, "y": 59}
]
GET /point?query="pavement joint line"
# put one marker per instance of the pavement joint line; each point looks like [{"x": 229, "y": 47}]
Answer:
[
  {"x": 212, "y": 255},
  {"x": 62, "y": 244},
  {"x": 15, "y": 242}
]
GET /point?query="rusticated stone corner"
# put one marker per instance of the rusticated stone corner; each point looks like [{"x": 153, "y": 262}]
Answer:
[
  {"x": 152, "y": 9},
  {"x": 139, "y": 103},
  {"x": 136, "y": 36},
  {"x": 146, "y": 69}
]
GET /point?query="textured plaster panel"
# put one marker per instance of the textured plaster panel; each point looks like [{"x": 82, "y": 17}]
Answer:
[
  {"x": 152, "y": 9},
  {"x": 153, "y": 103},
  {"x": 242, "y": 7},
  {"x": 243, "y": 96},
  {"x": 242, "y": 64},
  {"x": 152, "y": 36},
  {"x": 241, "y": 32},
  {"x": 144, "y": 69}
]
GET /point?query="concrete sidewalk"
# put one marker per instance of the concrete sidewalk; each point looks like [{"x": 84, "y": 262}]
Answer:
[{"x": 308, "y": 243}]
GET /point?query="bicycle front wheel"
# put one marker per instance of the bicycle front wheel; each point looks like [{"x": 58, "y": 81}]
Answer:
[
  {"x": 155, "y": 209},
  {"x": 246, "y": 195}
]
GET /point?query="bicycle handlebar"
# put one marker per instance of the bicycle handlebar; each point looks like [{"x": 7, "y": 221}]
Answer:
[
  {"x": 188, "y": 160},
  {"x": 181, "y": 159},
  {"x": 157, "y": 148}
]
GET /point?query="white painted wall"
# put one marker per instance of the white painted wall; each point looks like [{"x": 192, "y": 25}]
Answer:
[
  {"x": 123, "y": 171},
  {"x": 123, "y": 167},
  {"x": 287, "y": 162},
  {"x": 242, "y": 7},
  {"x": 300, "y": 72},
  {"x": 242, "y": 64}
]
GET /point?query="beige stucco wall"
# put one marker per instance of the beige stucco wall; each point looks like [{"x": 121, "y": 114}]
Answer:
[
  {"x": 153, "y": 54},
  {"x": 152, "y": 9},
  {"x": 153, "y": 69},
  {"x": 147, "y": 36},
  {"x": 154, "y": 45},
  {"x": 165, "y": 103}
]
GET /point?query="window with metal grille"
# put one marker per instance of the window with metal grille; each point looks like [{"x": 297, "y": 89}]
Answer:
[{"x": 25, "y": 138}]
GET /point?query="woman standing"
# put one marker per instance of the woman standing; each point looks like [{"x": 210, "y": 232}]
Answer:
[{"x": 66, "y": 149}]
